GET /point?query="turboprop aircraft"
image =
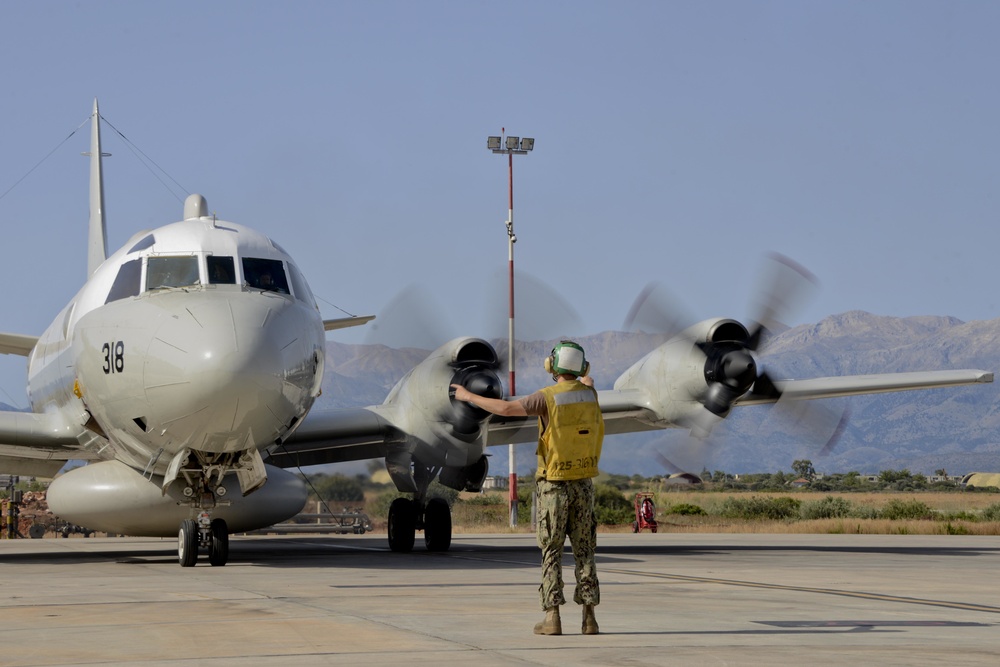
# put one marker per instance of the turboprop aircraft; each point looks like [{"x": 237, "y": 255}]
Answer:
[{"x": 185, "y": 369}]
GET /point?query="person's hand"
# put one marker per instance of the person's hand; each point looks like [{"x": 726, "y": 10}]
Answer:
[
  {"x": 461, "y": 393},
  {"x": 587, "y": 380}
]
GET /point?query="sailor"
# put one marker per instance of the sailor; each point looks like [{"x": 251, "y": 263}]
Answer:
[{"x": 570, "y": 435}]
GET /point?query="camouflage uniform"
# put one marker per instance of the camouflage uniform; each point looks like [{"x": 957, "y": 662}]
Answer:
[{"x": 567, "y": 508}]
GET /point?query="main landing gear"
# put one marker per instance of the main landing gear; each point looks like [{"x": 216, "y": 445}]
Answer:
[
  {"x": 407, "y": 516},
  {"x": 431, "y": 515},
  {"x": 207, "y": 533}
]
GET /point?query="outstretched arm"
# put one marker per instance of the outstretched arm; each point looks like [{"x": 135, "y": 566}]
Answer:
[{"x": 497, "y": 406}]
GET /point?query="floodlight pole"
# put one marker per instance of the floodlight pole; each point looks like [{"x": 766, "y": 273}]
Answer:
[
  {"x": 511, "y": 146},
  {"x": 511, "y": 240}
]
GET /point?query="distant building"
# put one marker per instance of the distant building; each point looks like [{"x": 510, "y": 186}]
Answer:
[
  {"x": 496, "y": 482},
  {"x": 982, "y": 479}
]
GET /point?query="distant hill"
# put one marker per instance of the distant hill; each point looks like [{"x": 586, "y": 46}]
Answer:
[{"x": 955, "y": 429}]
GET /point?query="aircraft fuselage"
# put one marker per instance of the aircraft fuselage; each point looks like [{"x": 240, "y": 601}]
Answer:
[{"x": 190, "y": 350}]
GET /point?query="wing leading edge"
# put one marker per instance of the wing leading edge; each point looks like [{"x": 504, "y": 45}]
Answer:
[
  {"x": 333, "y": 436},
  {"x": 851, "y": 385}
]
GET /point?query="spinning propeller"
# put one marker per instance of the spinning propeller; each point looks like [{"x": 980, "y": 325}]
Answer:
[
  {"x": 415, "y": 319},
  {"x": 731, "y": 370}
]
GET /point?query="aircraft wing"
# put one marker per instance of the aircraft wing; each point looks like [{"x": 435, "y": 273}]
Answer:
[
  {"x": 36, "y": 444},
  {"x": 344, "y": 322},
  {"x": 631, "y": 410},
  {"x": 30, "y": 443},
  {"x": 832, "y": 387},
  {"x": 18, "y": 344},
  {"x": 335, "y": 436}
]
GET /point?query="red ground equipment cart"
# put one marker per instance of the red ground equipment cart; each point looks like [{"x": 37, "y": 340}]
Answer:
[{"x": 645, "y": 513}]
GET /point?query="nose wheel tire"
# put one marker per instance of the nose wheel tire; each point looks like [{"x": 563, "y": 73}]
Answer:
[
  {"x": 402, "y": 525},
  {"x": 437, "y": 525},
  {"x": 187, "y": 543},
  {"x": 218, "y": 546}
]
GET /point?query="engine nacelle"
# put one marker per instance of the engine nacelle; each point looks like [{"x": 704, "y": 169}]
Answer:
[
  {"x": 442, "y": 431},
  {"x": 682, "y": 377},
  {"x": 469, "y": 478},
  {"x": 112, "y": 497}
]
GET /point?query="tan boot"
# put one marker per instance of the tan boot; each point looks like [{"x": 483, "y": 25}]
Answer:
[
  {"x": 589, "y": 620},
  {"x": 552, "y": 625}
]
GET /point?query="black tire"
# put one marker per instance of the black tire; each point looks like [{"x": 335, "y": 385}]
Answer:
[
  {"x": 635, "y": 526},
  {"x": 187, "y": 543},
  {"x": 437, "y": 525},
  {"x": 402, "y": 525},
  {"x": 218, "y": 547}
]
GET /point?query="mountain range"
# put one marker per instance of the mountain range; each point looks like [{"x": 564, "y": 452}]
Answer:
[{"x": 956, "y": 429}]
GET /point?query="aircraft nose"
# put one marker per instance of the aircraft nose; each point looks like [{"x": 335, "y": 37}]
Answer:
[{"x": 223, "y": 374}]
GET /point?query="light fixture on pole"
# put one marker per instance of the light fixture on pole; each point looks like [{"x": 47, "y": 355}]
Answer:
[{"x": 511, "y": 146}]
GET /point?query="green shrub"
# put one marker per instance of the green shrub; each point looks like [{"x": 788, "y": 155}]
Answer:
[
  {"x": 685, "y": 509},
  {"x": 897, "y": 510},
  {"x": 828, "y": 508},
  {"x": 338, "y": 488},
  {"x": 611, "y": 508},
  {"x": 757, "y": 508},
  {"x": 379, "y": 507},
  {"x": 991, "y": 513},
  {"x": 486, "y": 499},
  {"x": 525, "y": 493},
  {"x": 607, "y": 516},
  {"x": 866, "y": 512}
]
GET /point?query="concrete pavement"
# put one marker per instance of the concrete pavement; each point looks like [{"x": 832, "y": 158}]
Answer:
[{"x": 667, "y": 599}]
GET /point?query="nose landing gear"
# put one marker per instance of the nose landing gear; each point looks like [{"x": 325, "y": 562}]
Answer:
[
  {"x": 203, "y": 533},
  {"x": 202, "y": 492}
]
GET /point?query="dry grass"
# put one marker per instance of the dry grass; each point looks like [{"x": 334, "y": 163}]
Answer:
[
  {"x": 834, "y": 526},
  {"x": 494, "y": 518},
  {"x": 946, "y": 503}
]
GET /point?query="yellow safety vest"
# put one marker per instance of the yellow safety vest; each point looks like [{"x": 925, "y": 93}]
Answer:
[{"x": 569, "y": 447}]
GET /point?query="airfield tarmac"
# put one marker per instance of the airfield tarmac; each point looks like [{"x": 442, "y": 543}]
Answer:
[{"x": 347, "y": 600}]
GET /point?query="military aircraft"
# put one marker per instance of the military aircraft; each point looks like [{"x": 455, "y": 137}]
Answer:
[{"x": 185, "y": 369}]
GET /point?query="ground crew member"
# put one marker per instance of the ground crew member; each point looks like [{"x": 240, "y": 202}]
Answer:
[{"x": 571, "y": 432}]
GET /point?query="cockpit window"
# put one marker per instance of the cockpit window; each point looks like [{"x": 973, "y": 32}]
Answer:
[
  {"x": 221, "y": 270},
  {"x": 265, "y": 274},
  {"x": 127, "y": 281},
  {"x": 164, "y": 272},
  {"x": 299, "y": 285}
]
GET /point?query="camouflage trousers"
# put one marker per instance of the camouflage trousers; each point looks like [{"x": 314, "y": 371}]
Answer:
[{"x": 567, "y": 509}]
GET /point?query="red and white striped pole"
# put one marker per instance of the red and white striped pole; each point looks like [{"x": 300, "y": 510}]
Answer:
[
  {"x": 511, "y": 146},
  {"x": 511, "y": 239}
]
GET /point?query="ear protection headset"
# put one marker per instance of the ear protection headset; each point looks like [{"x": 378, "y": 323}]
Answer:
[{"x": 567, "y": 357}]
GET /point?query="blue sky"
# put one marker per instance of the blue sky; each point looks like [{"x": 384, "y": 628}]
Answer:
[{"x": 675, "y": 141}]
